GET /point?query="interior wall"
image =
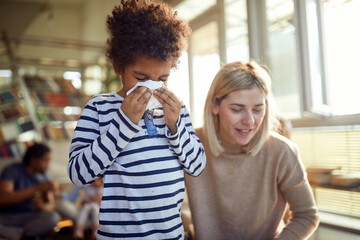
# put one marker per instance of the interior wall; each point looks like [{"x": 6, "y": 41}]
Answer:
[
  {"x": 62, "y": 22},
  {"x": 94, "y": 15}
]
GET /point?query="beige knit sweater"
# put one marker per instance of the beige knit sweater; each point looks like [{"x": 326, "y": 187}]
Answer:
[{"x": 249, "y": 202}]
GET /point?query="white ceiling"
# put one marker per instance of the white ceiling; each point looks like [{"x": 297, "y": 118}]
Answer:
[{"x": 54, "y": 31}]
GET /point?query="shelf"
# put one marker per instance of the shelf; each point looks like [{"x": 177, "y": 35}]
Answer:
[
  {"x": 328, "y": 186},
  {"x": 57, "y": 105},
  {"x": 12, "y": 150}
]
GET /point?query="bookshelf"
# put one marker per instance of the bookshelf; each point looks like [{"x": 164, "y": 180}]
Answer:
[
  {"x": 17, "y": 129},
  {"x": 43, "y": 107},
  {"x": 57, "y": 104},
  {"x": 37, "y": 109}
]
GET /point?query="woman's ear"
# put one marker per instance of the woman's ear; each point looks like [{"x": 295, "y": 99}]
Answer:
[{"x": 214, "y": 107}]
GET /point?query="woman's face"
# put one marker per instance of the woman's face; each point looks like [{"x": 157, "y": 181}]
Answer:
[
  {"x": 240, "y": 115},
  {"x": 144, "y": 69}
]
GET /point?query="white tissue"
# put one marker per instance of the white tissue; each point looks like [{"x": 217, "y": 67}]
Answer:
[{"x": 152, "y": 85}]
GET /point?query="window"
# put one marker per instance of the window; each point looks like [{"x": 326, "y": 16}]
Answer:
[
  {"x": 332, "y": 147},
  {"x": 236, "y": 27},
  {"x": 312, "y": 47},
  {"x": 5, "y": 77},
  {"x": 189, "y": 9},
  {"x": 342, "y": 37},
  {"x": 282, "y": 57},
  {"x": 205, "y": 64},
  {"x": 179, "y": 80}
]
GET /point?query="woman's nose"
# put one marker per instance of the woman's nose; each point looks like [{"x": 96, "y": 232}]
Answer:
[{"x": 248, "y": 118}]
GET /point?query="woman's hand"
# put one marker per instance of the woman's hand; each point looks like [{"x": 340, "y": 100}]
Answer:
[
  {"x": 171, "y": 105},
  {"x": 134, "y": 105}
]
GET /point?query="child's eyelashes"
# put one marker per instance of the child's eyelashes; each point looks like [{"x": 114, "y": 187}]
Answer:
[{"x": 145, "y": 79}]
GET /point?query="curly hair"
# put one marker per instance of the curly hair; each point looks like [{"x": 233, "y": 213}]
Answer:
[{"x": 141, "y": 29}]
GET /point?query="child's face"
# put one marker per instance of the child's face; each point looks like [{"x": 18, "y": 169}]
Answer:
[{"x": 144, "y": 69}]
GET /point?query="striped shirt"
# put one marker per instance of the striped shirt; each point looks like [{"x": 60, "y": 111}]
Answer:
[{"x": 143, "y": 175}]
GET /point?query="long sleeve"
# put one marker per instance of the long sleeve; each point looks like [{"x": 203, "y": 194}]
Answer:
[
  {"x": 187, "y": 145},
  {"x": 91, "y": 153},
  {"x": 305, "y": 219},
  {"x": 143, "y": 172},
  {"x": 297, "y": 191}
]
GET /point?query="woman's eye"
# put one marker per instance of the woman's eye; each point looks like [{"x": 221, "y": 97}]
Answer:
[
  {"x": 258, "y": 110},
  {"x": 142, "y": 79},
  {"x": 236, "y": 110}
]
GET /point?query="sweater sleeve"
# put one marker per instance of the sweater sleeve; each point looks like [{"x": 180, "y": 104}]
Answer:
[
  {"x": 296, "y": 188},
  {"x": 187, "y": 145},
  {"x": 92, "y": 152}
]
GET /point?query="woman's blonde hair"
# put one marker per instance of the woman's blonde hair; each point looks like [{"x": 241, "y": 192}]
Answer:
[{"x": 232, "y": 77}]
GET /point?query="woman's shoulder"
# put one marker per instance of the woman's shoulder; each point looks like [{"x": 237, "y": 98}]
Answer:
[
  {"x": 200, "y": 133},
  {"x": 277, "y": 141}
]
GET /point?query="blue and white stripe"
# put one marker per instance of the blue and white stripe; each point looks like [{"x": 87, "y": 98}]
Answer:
[{"x": 143, "y": 176}]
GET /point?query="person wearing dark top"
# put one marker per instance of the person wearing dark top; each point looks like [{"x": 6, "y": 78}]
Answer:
[{"x": 27, "y": 204}]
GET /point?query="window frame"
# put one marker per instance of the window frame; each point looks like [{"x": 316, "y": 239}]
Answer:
[
  {"x": 311, "y": 116},
  {"x": 214, "y": 13}
]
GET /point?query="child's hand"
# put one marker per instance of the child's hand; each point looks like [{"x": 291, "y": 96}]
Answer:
[
  {"x": 134, "y": 105},
  {"x": 171, "y": 105}
]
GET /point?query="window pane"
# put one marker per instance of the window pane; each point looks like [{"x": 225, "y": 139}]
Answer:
[
  {"x": 342, "y": 50},
  {"x": 316, "y": 101},
  {"x": 282, "y": 58},
  {"x": 206, "y": 63},
  {"x": 179, "y": 80},
  {"x": 332, "y": 147},
  {"x": 5, "y": 77},
  {"x": 237, "y": 40},
  {"x": 189, "y": 9}
]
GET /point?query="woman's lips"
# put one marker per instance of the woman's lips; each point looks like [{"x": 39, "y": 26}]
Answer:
[{"x": 244, "y": 132}]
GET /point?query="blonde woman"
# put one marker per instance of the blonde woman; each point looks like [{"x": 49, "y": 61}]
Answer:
[{"x": 251, "y": 172}]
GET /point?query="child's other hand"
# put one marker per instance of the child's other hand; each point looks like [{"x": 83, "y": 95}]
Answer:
[
  {"x": 134, "y": 105},
  {"x": 171, "y": 105}
]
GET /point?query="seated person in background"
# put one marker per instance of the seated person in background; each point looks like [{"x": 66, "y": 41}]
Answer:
[
  {"x": 89, "y": 209},
  {"x": 69, "y": 203},
  {"x": 27, "y": 197}
]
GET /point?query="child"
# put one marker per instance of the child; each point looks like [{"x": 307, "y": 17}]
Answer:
[
  {"x": 89, "y": 209},
  {"x": 141, "y": 156}
]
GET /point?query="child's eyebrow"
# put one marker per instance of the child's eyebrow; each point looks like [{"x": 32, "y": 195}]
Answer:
[{"x": 139, "y": 73}]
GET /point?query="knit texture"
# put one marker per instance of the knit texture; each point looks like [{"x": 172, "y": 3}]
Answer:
[{"x": 249, "y": 203}]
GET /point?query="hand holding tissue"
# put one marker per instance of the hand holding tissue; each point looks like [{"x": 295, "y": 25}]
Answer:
[{"x": 152, "y": 85}]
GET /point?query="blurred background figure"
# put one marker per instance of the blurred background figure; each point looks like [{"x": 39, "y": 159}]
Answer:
[
  {"x": 89, "y": 210},
  {"x": 68, "y": 202},
  {"x": 27, "y": 203}
]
